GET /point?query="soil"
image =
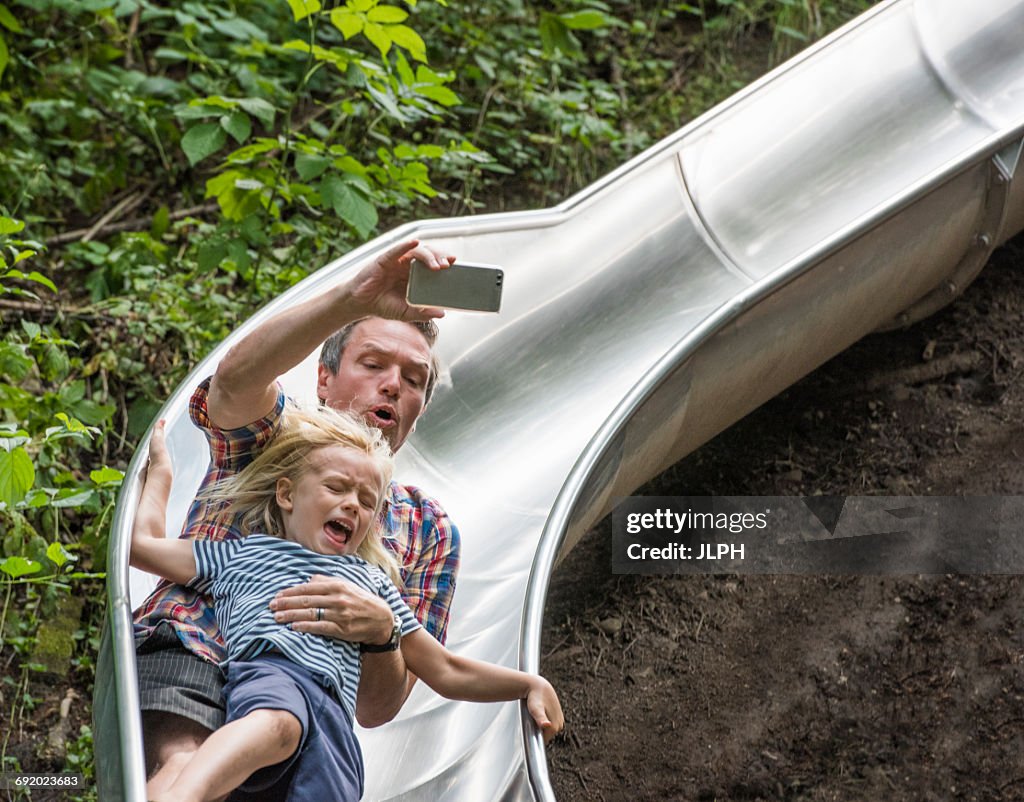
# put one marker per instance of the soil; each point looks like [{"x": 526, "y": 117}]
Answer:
[{"x": 719, "y": 687}]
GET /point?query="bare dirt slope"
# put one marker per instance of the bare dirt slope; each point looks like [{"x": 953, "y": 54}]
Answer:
[{"x": 818, "y": 687}]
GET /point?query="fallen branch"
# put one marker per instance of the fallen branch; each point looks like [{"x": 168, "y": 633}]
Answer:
[
  {"x": 126, "y": 205},
  {"x": 929, "y": 371},
  {"x": 135, "y": 224},
  {"x": 51, "y": 311}
]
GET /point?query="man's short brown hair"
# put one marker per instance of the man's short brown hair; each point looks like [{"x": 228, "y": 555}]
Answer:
[{"x": 334, "y": 347}]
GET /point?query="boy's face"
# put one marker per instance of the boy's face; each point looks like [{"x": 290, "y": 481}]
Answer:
[{"x": 330, "y": 508}]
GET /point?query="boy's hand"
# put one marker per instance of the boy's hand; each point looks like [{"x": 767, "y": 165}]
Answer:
[
  {"x": 159, "y": 471},
  {"x": 379, "y": 288},
  {"x": 160, "y": 459},
  {"x": 544, "y": 707}
]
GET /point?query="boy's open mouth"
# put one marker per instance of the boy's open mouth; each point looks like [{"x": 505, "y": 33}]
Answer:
[{"x": 339, "y": 530}]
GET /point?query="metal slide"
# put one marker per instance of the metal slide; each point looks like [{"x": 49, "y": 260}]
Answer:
[{"x": 859, "y": 186}]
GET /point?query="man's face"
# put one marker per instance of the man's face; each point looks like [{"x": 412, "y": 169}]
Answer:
[{"x": 382, "y": 377}]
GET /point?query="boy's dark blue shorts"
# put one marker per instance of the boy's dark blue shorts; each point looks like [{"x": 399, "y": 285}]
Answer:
[{"x": 328, "y": 765}]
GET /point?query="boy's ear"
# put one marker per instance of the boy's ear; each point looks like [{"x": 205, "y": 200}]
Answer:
[{"x": 283, "y": 494}]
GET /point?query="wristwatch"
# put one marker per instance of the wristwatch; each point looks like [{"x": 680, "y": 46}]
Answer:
[{"x": 390, "y": 645}]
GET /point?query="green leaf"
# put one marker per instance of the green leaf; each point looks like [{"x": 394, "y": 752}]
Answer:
[
  {"x": 9, "y": 225},
  {"x": 792, "y": 33},
  {"x": 106, "y": 476},
  {"x": 16, "y": 567},
  {"x": 170, "y": 54},
  {"x": 71, "y": 498},
  {"x": 379, "y": 35},
  {"x": 348, "y": 23},
  {"x": 35, "y": 276},
  {"x": 235, "y": 203},
  {"x": 442, "y": 94},
  {"x": 213, "y": 101},
  {"x": 585, "y": 20},
  {"x": 258, "y": 108},
  {"x": 58, "y": 555},
  {"x": 430, "y": 151},
  {"x": 387, "y": 14},
  {"x": 203, "y": 140},
  {"x": 33, "y": 330},
  {"x": 140, "y": 414},
  {"x": 158, "y": 86},
  {"x": 239, "y": 253},
  {"x": 554, "y": 35},
  {"x": 338, "y": 58},
  {"x": 406, "y": 37},
  {"x": 238, "y": 125},
  {"x": 310, "y": 166},
  {"x": 161, "y": 222},
  {"x": 4, "y": 56},
  {"x": 251, "y": 151},
  {"x": 88, "y": 411},
  {"x": 349, "y": 204},
  {"x": 39, "y": 278},
  {"x": 362, "y": 5},
  {"x": 55, "y": 363},
  {"x": 17, "y": 475},
  {"x": 404, "y": 70},
  {"x": 211, "y": 253},
  {"x": 240, "y": 29},
  {"x": 14, "y": 363},
  {"x": 72, "y": 424},
  {"x": 8, "y": 21},
  {"x": 303, "y": 8},
  {"x": 71, "y": 394},
  {"x": 36, "y": 498}
]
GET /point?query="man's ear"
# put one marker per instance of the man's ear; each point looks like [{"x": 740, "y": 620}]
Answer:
[
  {"x": 323, "y": 375},
  {"x": 283, "y": 494}
]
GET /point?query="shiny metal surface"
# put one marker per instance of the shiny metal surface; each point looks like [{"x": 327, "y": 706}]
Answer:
[{"x": 868, "y": 178}]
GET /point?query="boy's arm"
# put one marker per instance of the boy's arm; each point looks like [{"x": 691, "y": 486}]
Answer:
[
  {"x": 457, "y": 677},
  {"x": 151, "y": 550},
  {"x": 244, "y": 389}
]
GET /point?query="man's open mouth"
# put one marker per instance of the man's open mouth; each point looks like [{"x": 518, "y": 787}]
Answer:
[{"x": 383, "y": 416}]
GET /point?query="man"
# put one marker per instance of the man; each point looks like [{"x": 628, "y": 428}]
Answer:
[{"x": 378, "y": 364}]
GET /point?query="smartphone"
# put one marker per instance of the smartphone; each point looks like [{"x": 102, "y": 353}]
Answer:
[{"x": 464, "y": 285}]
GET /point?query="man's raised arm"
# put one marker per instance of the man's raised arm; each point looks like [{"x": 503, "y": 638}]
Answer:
[{"x": 244, "y": 386}]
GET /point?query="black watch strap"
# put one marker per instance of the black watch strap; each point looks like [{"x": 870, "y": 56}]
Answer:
[{"x": 390, "y": 645}]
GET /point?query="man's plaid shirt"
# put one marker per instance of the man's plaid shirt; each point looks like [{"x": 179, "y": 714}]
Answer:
[{"x": 416, "y": 529}]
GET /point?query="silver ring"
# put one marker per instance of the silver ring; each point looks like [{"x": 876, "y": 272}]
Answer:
[{"x": 319, "y": 613}]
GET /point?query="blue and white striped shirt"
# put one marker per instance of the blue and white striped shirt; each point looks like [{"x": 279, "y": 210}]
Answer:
[{"x": 243, "y": 576}]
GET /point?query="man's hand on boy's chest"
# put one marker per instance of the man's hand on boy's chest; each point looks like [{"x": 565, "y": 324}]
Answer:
[{"x": 349, "y": 612}]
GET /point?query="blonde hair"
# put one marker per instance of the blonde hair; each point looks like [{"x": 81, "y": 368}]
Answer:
[{"x": 251, "y": 494}]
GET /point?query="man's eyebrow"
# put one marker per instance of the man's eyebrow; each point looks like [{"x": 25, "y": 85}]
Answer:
[{"x": 371, "y": 347}]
